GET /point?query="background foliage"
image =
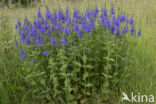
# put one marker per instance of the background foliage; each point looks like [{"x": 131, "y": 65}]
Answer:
[
  {"x": 140, "y": 77},
  {"x": 17, "y": 2}
]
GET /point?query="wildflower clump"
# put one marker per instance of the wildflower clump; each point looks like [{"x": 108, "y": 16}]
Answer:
[{"x": 74, "y": 57}]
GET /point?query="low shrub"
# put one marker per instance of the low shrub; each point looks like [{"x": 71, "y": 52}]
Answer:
[{"x": 72, "y": 59}]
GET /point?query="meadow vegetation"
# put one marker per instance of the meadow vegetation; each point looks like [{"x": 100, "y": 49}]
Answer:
[{"x": 27, "y": 82}]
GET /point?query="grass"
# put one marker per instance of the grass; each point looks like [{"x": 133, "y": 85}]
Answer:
[{"x": 142, "y": 77}]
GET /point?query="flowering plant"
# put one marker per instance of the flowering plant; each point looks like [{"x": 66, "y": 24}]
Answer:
[{"x": 70, "y": 58}]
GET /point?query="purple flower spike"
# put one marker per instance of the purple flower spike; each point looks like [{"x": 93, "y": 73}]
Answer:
[
  {"x": 39, "y": 15},
  {"x": 88, "y": 14},
  {"x": 107, "y": 24},
  {"x": 45, "y": 53},
  {"x": 79, "y": 34},
  {"x": 22, "y": 54},
  {"x": 27, "y": 40},
  {"x": 26, "y": 21},
  {"x": 19, "y": 23},
  {"x": 76, "y": 14},
  {"x": 16, "y": 26},
  {"x": 112, "y": 29},
  {"x": 76, "y": 28},
  {"x": 139, "y": 33},
  {"x": 125, "y": 30},
  {"x": 53, "y": 41},
  {"x": 48, "y": 14},
  {"x": 16, "y": 43},
  {"x": 33, "y": 61},
  {"x": 63, "y": 41},
  {"x": 96, "y": 11},
  {"x": 105, "y": 13},
  {"x": 131, "y": 21},
  {"x": 112, "y": 10},
  {"x": 133, "y": 30},
  {"x": 67, "y": 12},
  {"x": 117, "y": 23},
  {"x": 66, "y": 31},
  {"x": 59, "y": 27},
  {"x": 117, "y": 32},
  {"x": 39, "y": 40}
]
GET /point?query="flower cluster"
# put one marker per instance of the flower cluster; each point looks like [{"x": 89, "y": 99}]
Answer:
[{"x": 56, "y": 27}]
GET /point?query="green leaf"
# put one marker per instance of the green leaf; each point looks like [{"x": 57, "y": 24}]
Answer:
[
  {"x": 66, "y": 82},
  {"x": 64, "y": 66},
  {"x": 106, "y": 75},
  {"x": 84, "y": 58},
  {"x": 88, "y": 66},
  {"x": 77, "y": 63},
  {"x": 33, "y": 83},
  {"x": 85, "y": 75},
  {"x": 43, "y": 82},
  {"x": 106, "y": 84},
  {"x": 109, "y": 59},
  {"x": 89, "y": 85}
]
